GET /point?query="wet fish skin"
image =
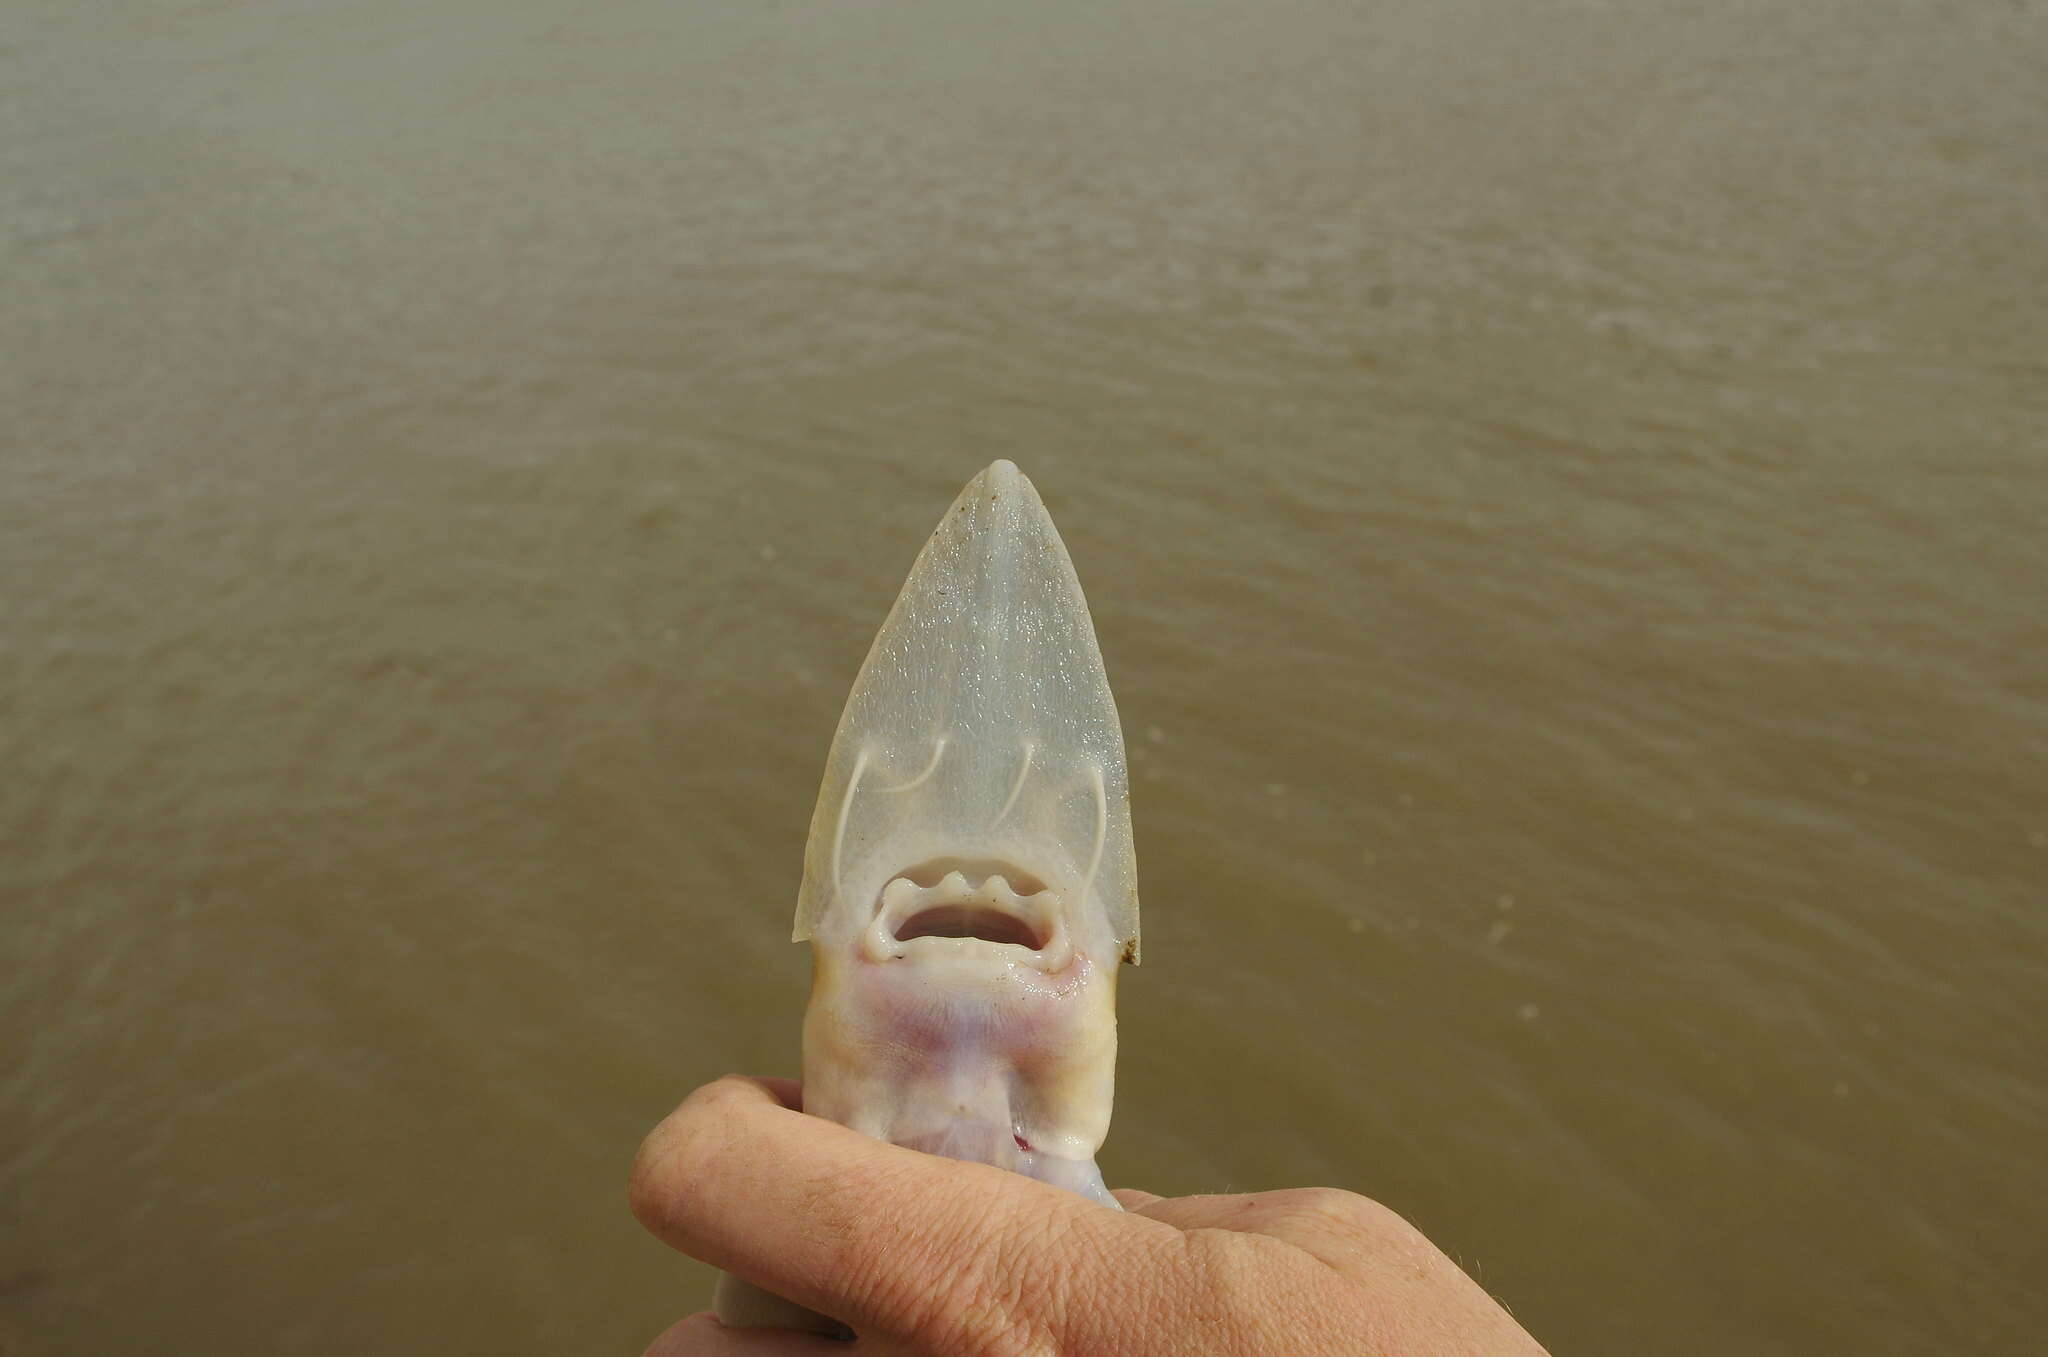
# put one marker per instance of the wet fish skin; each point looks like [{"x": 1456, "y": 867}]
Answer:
[
  {"x": 970, "y": 881},
  {"x": 951, "y": 1046},
  {"x": 976, "y": 784}
]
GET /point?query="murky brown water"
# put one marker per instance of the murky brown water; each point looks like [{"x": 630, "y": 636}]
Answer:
[{"x": 1562, "y": 489}]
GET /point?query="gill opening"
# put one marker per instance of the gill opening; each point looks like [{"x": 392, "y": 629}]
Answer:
[
  {"x": 1101, "y": 831},
  {"x": 938, "y": 752},
  {"x": 860, "y": 766},
  {"x": 1017, "y": 789}
]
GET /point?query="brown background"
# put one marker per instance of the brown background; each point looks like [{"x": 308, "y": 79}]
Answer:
[{"x": 1562, "y": 488}]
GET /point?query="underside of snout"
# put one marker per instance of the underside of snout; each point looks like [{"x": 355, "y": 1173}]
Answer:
[{"x": 980, "y": 742}]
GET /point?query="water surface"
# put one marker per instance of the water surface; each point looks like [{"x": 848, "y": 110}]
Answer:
[{"x": 1562, "y": 489}]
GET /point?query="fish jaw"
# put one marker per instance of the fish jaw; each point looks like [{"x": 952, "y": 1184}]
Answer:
[{"x": 970, "y": 882}]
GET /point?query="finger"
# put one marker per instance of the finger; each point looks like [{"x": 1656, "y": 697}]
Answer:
[
  {"x": 1134, "y": 1199},
  {"x": 1341, "y": 1228},
  {"x": 701, "y": 1335},
  {"x": 788, "y": 1092},
  {"x": 888, "y": 1240}
]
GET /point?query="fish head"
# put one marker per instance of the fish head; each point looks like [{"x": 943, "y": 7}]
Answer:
[
  {"x": 975, "y": 804},
  {"x": 969, "y": 883}
]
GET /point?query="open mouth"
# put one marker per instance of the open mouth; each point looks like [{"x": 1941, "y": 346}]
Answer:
[
  {"x": 956, "y": 898},
  {"x": 970, "y": 921}
]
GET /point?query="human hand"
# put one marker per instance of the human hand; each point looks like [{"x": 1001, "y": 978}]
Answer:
[{"x": 922, "y": 1255}]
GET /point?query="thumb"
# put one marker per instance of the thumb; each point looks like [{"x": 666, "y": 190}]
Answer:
[{"x": 890, "y": 1241}]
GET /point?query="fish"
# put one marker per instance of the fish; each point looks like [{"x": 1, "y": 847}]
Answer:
[{"x": 970, "y": 879}]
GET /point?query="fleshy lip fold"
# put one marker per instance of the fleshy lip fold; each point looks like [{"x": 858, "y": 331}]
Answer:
[{"x": 981, "y": 729}]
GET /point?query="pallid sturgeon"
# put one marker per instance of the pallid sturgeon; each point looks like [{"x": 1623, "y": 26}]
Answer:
[{"x": 969, "y": 882}]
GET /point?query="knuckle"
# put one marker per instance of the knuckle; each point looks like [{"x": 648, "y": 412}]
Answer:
[
  {"x": 648, "y": 1185},
  {"x": 1389, "y": 1229},
  {"x": 1231, "y": 1281},
  {"x": 896, "y": 1255},
  {"x": 1332, "y": 1204},
  {"x": 725, "y": 1092},
  {"x": 1010, "y": 1273},
  {"x": 983, "y": 1311},
  {"x": 1332, "y": 1208},
  {"x": 680, "y": 1150},
  {"x": 1019, "y": 1282}
]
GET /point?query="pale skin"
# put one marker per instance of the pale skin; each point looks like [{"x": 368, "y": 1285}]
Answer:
[{"x": 923, "y": 1255}]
